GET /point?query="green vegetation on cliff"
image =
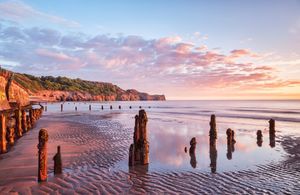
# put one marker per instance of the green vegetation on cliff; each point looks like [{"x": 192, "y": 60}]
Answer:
[{"x": 35, "y": 84}]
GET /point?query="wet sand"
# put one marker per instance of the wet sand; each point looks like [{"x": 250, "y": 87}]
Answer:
[{"x": 91, "y": 147}]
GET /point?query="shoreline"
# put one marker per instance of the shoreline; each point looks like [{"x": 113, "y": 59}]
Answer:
[{"x": 93, "y": 146}]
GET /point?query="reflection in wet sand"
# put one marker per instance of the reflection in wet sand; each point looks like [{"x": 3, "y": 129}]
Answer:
[
  {"x": 259, "y": 138},
  {"x": 192, "y": 150},
  {"x": 213, "y": 155},
  {"x": 135, "y": 175},
  {"x": 272, "y": 140},
  {"x": 230, "y": 150},
  {"x": 193, "y": 160}
]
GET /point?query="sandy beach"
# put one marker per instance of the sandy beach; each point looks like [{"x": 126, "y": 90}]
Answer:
[{"x": 95, "y": 156}]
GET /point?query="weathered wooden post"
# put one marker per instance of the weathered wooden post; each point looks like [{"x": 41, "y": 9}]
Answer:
[
  {"x": 31, "y": 116},
  {"x": 90, "y": 107},
  {"x": 272, "y": 126},
  {"x": 10, "y": 127},
  {"x": 46, "y": 108},
  {"x": 111, "y": 107},
  {"x": 28, "y": 122},
  {"x": 213, "y": 127},
  {"x": 102, "y": 107},
  {"x": 61, "y": 107},
  {"x": 42, "y": 161},
  {"x": 119, "y": 106},
  {"x": 3, "y": 142},
  {"x": 24, "y": 121},
  {"x": 75, "y": 108},
  {"x": 272, "y": 132},
  {"x": 18, "y": 117},
  {"x": 140, "y": 148},
  {"x": 57, "y": 162},
  {"x": 144, "y": 137}
]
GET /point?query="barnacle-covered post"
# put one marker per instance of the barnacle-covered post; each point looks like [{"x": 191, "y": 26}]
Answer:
[{"x": 42, "y": 161}]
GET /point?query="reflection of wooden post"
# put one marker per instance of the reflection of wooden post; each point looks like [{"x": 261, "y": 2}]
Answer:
[
  {"x": 131, "y": 155},
  {"x": 42, "y": 147},
  {"x": 18, "y": 117},
  {"x": 259, "y": 136},
  {"x": 213, "y": 154},
  {"x": 57, "y": 162},
  {"x": 3, "y": 141},
  {"x": 213, "y": 127},
  {"x": 24, "y": 121}
]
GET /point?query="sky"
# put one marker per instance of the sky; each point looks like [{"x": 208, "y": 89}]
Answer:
[{"x": 183, "y": 49}]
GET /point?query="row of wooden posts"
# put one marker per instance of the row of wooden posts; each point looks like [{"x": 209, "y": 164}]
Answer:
[
  {"x": 15, "y": 122},
  {"x": 90, "y": 107},
  {"x": 230, "y": 142}
]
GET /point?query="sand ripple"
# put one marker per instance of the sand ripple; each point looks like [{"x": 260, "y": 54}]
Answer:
[{"x": 94, "y": 145}]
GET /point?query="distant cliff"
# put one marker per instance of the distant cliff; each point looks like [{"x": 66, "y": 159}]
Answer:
[{"x": 50, "y": 88}]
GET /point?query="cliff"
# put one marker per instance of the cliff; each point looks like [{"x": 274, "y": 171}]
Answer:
[
  {"x": 50, "y": 88},
  {"x": 11, "y": 93}
]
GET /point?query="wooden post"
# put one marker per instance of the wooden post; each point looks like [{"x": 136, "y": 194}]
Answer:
[
  {"x": 42, "y": 161},
  {"x": 90, "y": 107},
  {"x": 111, "y": 107},
  {"x": 18, "y": 117},
  {"x": 3, "y": 141},
  {"x": 57, "y": 162},
  {"x": 119, "y": 106},
  {"x": 32, "y": 121},
  {"x": 61, "y": 107},
  {"x": 75, "y": 108},
  {"x": 272, "y": 126},
  {"x": 213, "y": 127},
  {"x": 102, "y": 107},
  {"x": 144, "y": 144},
  {"x": 24, "y": 121}
]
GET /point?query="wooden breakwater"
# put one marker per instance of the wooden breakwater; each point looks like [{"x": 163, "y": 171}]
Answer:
[{"x": 15, "y": 122}]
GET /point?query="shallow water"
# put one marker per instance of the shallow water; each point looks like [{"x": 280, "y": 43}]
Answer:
[{"x": 171, "y": 125}]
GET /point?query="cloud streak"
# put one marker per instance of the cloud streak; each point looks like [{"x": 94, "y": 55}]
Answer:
[{"x": 17, "y": 11}]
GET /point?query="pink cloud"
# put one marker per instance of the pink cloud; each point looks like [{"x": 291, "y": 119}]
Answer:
[{"x": 133, "y": 61}]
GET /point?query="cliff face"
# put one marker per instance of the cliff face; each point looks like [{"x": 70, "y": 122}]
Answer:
[
  {"x": 11, "y": 93},
  {"x": 65, "y": 89}
]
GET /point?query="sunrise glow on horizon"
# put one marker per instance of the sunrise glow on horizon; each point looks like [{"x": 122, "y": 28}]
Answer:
[{"x": 185, "y": 49}]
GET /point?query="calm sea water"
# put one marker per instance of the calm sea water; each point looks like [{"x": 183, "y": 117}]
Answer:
[{"x": 172, "y": 124}]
